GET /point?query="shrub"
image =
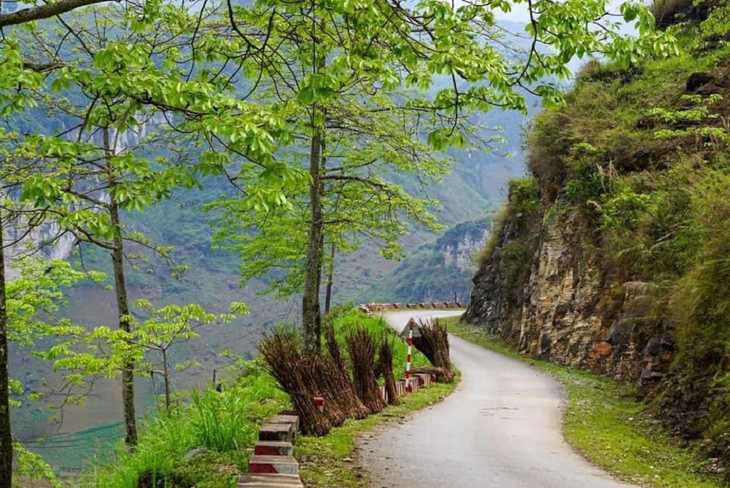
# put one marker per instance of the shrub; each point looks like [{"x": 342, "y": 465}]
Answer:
[
  {"x": 524, "y": 195},
  {"x": 486, "y": 252},
  {"x": 515, "y": 261},
  {"x": 524, "y": 202}
]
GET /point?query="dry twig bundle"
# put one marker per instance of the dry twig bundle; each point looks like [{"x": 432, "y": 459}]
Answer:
[
  {"x": 433, "y": 342},
  {"x": 341, "y": 384},
  {"x": 306, "y": 376},
  {"x": 385, "y": 367},
  {"x": 282, "y": 352},
  {"x": 362, "y": 355}
]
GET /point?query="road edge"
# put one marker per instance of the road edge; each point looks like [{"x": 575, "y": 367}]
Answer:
[{"x": 604, "y": 423}]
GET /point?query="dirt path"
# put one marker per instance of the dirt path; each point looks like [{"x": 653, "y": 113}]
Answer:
[{"x": 501, "y": 428}]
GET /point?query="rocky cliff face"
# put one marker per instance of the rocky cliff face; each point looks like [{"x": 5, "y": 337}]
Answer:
[
  {"x": 545, "y": 291},
  {"x": 459, "y": 245}
]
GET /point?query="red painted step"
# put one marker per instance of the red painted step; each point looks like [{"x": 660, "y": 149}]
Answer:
[
  {"x": 273, "y": 464},
  {"x": 273, "y": 448}
]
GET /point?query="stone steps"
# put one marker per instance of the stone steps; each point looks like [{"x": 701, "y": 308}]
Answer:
[
  {"x": 273, "y": 448},
  {"x": 272, "y": 464}
]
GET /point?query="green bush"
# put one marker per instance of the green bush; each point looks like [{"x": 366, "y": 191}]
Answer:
[
  {"x": 524, "y": 195},
  {"x": 524, "y": 203},
  {"x": 486, "y": 252},
  {"x": 515, "y": 262}
]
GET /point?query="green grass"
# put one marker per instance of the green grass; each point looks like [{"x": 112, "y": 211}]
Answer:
[
  {"x": 224, "y": 424},
  {"x": 350, "y": 317},
  {"x": 605, "y": 423},
  {"x": 328, "y": 461}
]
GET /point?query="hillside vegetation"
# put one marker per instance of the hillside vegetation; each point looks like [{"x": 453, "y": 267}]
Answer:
[
  {"x": 614, "y": 255},
  {"x": 437, "y": 271}
]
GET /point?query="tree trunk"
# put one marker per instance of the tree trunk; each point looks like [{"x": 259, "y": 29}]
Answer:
[
  {"x": 6, "y": 437},
  {"x": 330, "y": 280},
  {"x": 120, "y": 286},
  {"x": 311, "y": 312},
  {"x": 166, "y": 376}
]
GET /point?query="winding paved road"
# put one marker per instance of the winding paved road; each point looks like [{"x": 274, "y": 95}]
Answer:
[{"x": 501, "y": 428}]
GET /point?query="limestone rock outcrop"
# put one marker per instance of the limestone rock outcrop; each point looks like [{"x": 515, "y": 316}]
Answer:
[{"x": 564, "y": 305}]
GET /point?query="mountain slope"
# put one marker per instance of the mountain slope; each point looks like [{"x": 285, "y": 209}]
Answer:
[
  {"x": 613, "y": 256},
  {"x": 438, "y": 271}
]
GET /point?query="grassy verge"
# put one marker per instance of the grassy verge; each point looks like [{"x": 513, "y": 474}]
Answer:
[
  {"x": 603, "y": 421},
  {"x": 328, "y": 461}
]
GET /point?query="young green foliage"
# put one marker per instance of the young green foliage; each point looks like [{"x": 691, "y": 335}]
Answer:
[{"x": 366, "y": 72}]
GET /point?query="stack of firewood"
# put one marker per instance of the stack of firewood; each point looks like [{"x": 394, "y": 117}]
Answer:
[{"x": 308, "y": 377}]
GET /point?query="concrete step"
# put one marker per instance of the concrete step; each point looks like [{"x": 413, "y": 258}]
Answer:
[
  {"x": 273, "y": 465},
  {"x": 286, "y": 419},
  {"x": 412, "y": 386},
  {"x": 273, "y": 448},
  {"x": 277, "y": 432},
  {"x": 254, "y": 480}
]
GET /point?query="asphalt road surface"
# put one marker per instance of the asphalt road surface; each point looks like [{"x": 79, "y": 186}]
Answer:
[{"x": 501, "y": 428}]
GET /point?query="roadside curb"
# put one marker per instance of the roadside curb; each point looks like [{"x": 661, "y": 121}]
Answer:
[{"x": 388, "y": 307}]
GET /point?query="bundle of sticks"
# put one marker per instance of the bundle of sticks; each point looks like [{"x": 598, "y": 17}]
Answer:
[
  {"x": 385, "y": 368},
  {"x": 362, "y": 355},
  {"x": 433, "y": 342},
  {"x": 308, "y": 376}
]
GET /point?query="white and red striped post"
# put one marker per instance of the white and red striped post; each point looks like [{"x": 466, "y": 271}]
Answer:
[{"x": 409, "y": 341}]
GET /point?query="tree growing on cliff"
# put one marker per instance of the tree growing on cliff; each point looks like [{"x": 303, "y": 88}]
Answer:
[
  {"x": 357, "y": 202},
  {"x": 97, "y": 84},
  {"x": 352, "y": 125},
  {"x": 13, "y": 72},
  {"x": 165, "y": 329}
]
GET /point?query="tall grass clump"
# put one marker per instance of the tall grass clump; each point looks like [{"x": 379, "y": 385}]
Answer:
[{"x": 222, "y": 425}]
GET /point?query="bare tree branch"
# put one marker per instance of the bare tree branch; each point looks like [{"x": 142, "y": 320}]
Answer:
[{"x": 44, "y": 11}]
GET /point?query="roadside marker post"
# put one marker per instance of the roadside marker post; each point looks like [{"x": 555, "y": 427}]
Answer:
[{"x": 409, "y": 341}]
